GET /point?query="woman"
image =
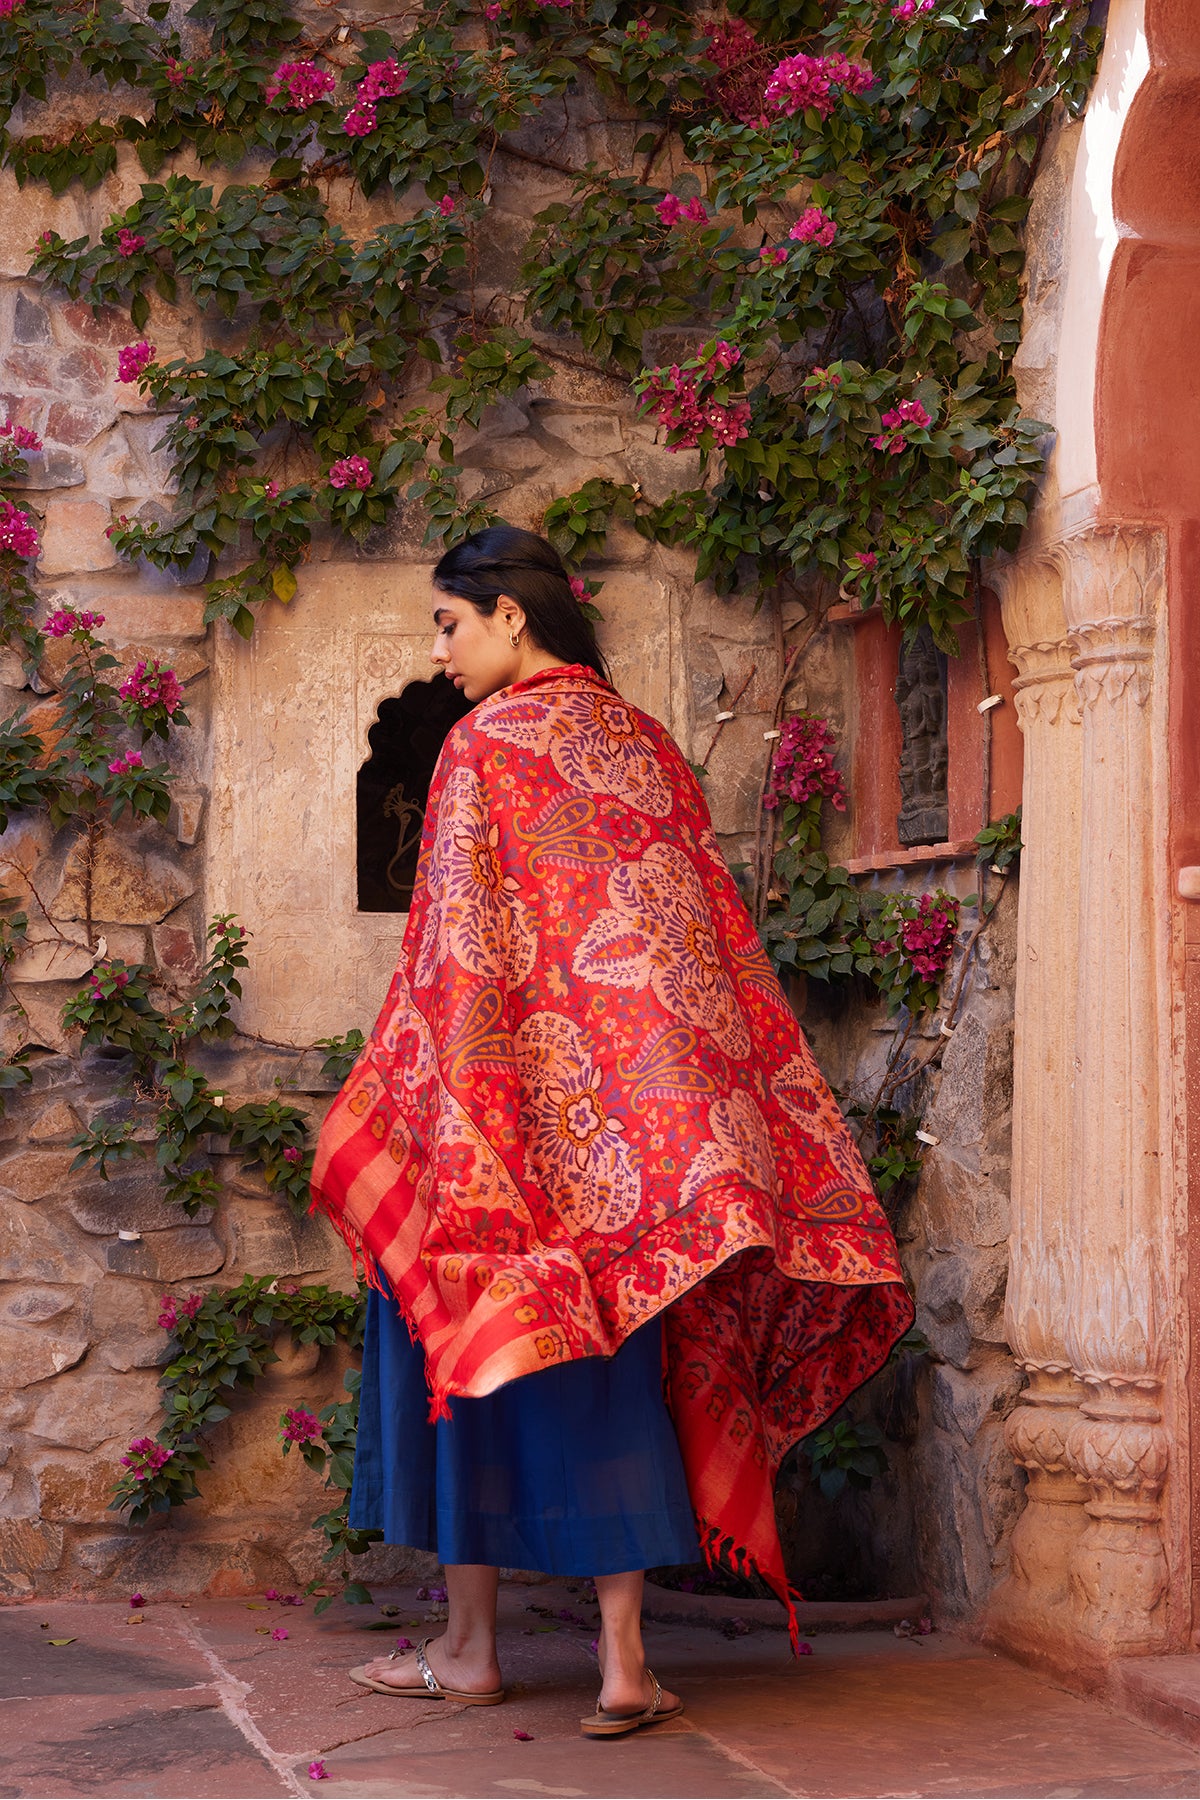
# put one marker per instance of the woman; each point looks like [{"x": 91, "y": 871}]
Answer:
[{"x": 586, "y": 1152}]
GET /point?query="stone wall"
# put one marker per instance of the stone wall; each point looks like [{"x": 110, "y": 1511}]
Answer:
[{"x": 84, "y": 1262}]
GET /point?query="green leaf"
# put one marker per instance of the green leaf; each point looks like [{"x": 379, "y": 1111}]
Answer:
[{"x": 283, "y": 581}]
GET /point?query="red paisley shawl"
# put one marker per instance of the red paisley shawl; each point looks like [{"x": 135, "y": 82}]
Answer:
[{"x": 586, "y": 1100}]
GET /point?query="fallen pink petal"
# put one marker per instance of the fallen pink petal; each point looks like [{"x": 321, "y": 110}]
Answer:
[
  {"x": 317, "y": 1771},
  {"x": 523, "y": 1737}
]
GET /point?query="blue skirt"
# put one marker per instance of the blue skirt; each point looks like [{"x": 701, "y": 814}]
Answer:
[{"x": 574, "y": 1470}]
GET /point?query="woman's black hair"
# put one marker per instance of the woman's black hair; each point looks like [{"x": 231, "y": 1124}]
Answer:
[{"x": 503, "y": 559}]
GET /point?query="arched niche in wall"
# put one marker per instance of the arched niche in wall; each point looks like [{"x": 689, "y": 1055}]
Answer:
[
  {"x": 393, "y": 787},
  {"x": 293, "y": 712}
]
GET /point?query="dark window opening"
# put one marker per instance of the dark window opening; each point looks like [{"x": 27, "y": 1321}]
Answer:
[
  {"x": 393, "y": 789},
  {"x": 924, "y": 816}
]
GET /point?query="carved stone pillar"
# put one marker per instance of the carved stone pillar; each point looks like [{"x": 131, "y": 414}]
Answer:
[
  {"x": 1034, "y": 1605},
  {"x": 1116, "y": 1306}
]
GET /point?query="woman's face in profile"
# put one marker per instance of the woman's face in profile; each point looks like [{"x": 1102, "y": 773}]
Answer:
[{"x": 473, "y": 650}]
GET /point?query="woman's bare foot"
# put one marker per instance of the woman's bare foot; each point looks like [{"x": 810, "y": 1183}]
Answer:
[
  {"x": 631, "y": 1691},
  {"x": 469, "y": 1672}
]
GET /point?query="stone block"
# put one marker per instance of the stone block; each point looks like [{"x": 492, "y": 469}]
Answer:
[
  {"x": 176, "y": 1255},
  {"x": 152, "y": 1350},
  {"x": 54, "y": 1122},
  {"x": 28, "y": 212},
  {"x": 28, "y": 1355},
  {"x": 736, "y": 769},
  {"x": 588, "y": 433},
  {"x": 31, "y": 321},
  {"x": 956, "y": 1205},
  {"x": 74, "y": 537},
  {"x": 76, "y": 1489},
  {"x": 187, "y": 810},
  {"x": 144, "y": 437},
  {"x": 33, "y": 1305},
  {"x": 514, "y": 455},
  {"x": 54, "y": 959},
  {"x": 940, "y": 1293},
  {"x": 74, "y": 424},
  {"x": 175, "y": 949},
  {"x": 121, "y": 1307},
  {"x": 87, "y": 371},
  {"x": 983, "y": 1302},
  {"x": 49, "y": 469},
  {"x": 107, "y": 326},
  {"x": 268, "y": 1241},
  {"x": 92, "y": 1406},
  {"x": 660, "y": 472},
  {"x": 127, "y": 1202},
  {"x": 963, "y": 1401},
  {"x": 29, "y": 1546},
  {"x": 33, "y": 1175},
  {"x": 136, "y": 614},
  {"x": 132, "y": 882}
]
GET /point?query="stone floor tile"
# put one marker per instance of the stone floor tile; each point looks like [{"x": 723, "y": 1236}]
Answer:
[
  {"x": 108, "y": 1655},
  {"x": 172, "y": 1746},
  {"x": 672, "y": 1763},
  {"x": 960, "y": 1722}
]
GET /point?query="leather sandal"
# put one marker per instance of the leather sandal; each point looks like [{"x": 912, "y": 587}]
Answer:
[
  {"x": 430, "y": 1689},
  {"x": 615, "y": 1724}
]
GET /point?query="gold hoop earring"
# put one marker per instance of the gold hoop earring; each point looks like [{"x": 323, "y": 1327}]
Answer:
[{"x": 514, "y": 638}]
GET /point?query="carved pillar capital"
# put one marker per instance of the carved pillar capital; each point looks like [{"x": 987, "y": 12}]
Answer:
[
  {"x": 1112, "y": 657},
  {"x": 1113, "y": 572},
  {"x": 1045, "y": 682}
]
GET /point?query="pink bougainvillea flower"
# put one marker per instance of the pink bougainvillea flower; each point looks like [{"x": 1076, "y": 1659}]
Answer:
[
  {"x": 814, "y": 227},
  {"x": 177, "y": 72},
  {"x": 18, "y": 532},
  {"x": 299, "y": 85},
  {"x": 351, "y": 471},
  {"x": 145, "y": 1457},
  {"x": 866, "y": 559},
  {"x": 270, "y": 1593},
  {"x": 8, "y": 7},
  {"x": 360, "y": 121},
  {"x": 523, "y": 1737},
  {"x": 773, "y": 255},
  {"x": 317, "y": 1771},
  {"x": 893, "y": 438},
  {"x": 493, "y": 10},
  {"x": 579, "y": 589},
  {"x": 66, "y": 620},
  {"x": 292, "y": 1154},
  {"x": 132, "y": 359},
  {"x": 300, "y": 1426},
  {"x": 804, "y": 1650},
  {"x": 125, "y": 765},
  {"x": 926, "y": 940},
  {"x": 446, "y": 206},
  {"x": 152, "y": 685},
  {"x": 822, "y": 380},
  {"x": 137, "y": 1599},
  {"x": 279, "y": 1634},
  {"x": 403, "y": 1644},
  {"x": 802, "y": 768},
  {"x": 673, "y": 211},
  {"x": 128, "y": 242},
  {"x": 639, "y": 31},
  {"x": 805, "y": 83},
  {"x": 908, "y": 9},
  {"x": 381, "y": 82},
  {"x": 22, "y": 437}
]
